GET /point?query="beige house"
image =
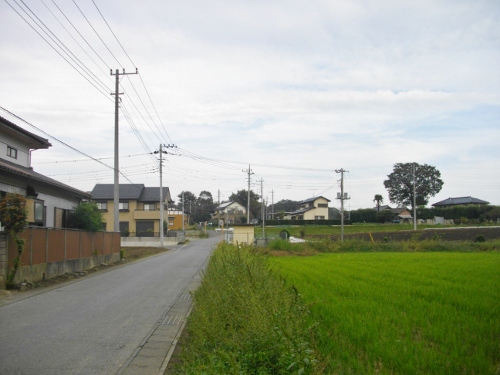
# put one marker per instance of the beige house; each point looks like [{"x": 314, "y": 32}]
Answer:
[
  {"x": 139, "y": 213},
  {"x": 311, "y": 209}
]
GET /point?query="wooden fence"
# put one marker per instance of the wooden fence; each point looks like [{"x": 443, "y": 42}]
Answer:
[{"x": 49, "y": 252}]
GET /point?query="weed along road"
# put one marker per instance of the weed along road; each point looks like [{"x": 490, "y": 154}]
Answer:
[{"x": 101, "y": 323}]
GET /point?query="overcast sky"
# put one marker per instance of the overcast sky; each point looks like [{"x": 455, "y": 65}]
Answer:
[{"x": 295, "y": 89}]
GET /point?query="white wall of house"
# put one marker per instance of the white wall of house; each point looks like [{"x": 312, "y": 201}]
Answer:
[
  {"x": 12, "y": 189},
  {"x": 51, "y": 202},
  {"x": 23, "y": 152}
]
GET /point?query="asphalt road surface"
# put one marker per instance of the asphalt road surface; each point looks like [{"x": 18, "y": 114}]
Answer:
[{"x": 94, "y": 325}]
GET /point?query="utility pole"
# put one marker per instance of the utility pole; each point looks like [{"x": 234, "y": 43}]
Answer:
[
  {"x": 116, "y": 187},
  {"x": 162, "y": 219},
  {"x": 249, "y": 171},
  {"x": 183, "y": 231},
  {"x": 218, "y": 209},
  {"x": 342, "y": 197},
  {"x": 263, "y": 210},
  {"x": 272, "y": 204},
  {"x": 414, "y": 200}
]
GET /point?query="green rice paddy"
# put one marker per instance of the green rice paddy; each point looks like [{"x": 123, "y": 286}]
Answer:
[{"x": 402, "y": 313}]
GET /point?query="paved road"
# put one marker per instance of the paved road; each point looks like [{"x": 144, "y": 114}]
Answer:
[{"x": 95, "y": 325}]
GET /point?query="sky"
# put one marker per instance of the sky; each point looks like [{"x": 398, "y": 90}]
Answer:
[{"x": 293, "y": 90}]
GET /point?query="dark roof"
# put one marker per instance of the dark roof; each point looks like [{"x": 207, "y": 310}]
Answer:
[
  {"x": 152, "y": 194},
  {"x": 460, "y": 201},
  {"x": 127, "y": 191},
  {"x": 301, "y": 211},
  {"x": 30, "y": 176},
  {"x": 398, "y": 210},
  {"x": 136, "y": 192},
  {"x": 313, "y": 199},
  {"x": 33, "y": 141}
]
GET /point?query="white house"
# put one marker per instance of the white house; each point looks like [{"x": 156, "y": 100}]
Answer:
[
  {"x": 230, "y": 212},
  {"x": 49, "y": 201}
]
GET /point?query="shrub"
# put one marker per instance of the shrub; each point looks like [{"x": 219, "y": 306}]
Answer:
[{"x": 246, "y": 320}]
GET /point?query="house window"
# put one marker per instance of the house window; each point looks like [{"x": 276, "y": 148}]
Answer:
[
  {"x": 12, "y": 152},
  {"x": 102, "y": 205},
  {"x": 323, "y": 205},
  {"x": 38, "y": 210},
  {"x": 149, "y": 206},
  {"x": 171, "y": 221},
  {"x": 123, "y": 206},
  {"x": 319, "y": 218}
]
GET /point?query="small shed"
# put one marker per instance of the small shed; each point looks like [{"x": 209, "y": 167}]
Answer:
[{"x": 243, "y": 234}]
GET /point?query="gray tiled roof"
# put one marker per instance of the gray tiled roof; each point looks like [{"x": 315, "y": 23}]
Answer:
[
  {"x": 32, "y": 140},
  {"x": 313, "y": 199},
  {"x": 136, "y": 192},
  {"x": 460, "y": 200},
  {"x": 6, "y": 167},
  {"x": 152, "y": 194},
  {"x": 127, "y": 191},
  {"x": 301, "y": 211}
]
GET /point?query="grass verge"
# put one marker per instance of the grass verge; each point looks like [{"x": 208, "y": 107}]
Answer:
[{"x": 246, "y": 320}]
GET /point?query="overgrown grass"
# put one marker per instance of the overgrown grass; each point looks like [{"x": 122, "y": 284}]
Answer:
[
  {"x": 403, "y": 313},
  {"x": 246, "y": 320}
]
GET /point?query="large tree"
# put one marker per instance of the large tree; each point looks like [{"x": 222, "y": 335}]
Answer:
[
  {"x": 400, "y": 183},
  {"x": 204, "y": 206},
  {"x": 242, "y": 198}
]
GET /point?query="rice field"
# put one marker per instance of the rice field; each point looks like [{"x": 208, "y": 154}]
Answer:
[{"x": 402, "y": 313}]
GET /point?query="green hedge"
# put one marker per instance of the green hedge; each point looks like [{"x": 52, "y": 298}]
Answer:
[{"x": 306, "y": 222}]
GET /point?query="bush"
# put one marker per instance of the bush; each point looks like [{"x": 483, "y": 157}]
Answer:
[
  {"x": 246, "y": 320},
  {"x": 86, "y": 217}
]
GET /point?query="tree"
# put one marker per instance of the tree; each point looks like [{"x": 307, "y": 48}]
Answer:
[
  {"x": 400, "y": 183},
  {"x": 205, "y": 206},
  {"x": 242, "y": 198},
  {"x": 189, "y": 200},
  {"x": 86, "y": 216},
  {"x": 14, "y": 217},
  {"x": 379, "y": 199}
]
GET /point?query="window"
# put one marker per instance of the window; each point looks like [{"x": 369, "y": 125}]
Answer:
[
  {"x": 171, "y": 221},
  {"x": 323, "y": 205},
  {"x": 123, "y": 206},
  {"x": 102, "y": 205},
  {"x": 149, "y": 206},
  {"x": 12, "y": 152},
  {"x": 38, "y": 211},
  {"x": 319, "y": 218}
]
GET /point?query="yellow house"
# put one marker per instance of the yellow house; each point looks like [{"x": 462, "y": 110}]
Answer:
[
  {"x": 311, "y": 209},
  {"x": 140, "y": 206}
]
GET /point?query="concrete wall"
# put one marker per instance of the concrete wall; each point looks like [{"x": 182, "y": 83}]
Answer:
[{"x": 3, "y": 259}]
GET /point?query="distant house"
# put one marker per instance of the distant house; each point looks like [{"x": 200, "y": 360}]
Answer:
[
  {"x": 461, "y": 201},
  {"x": 400, "y": 214},
  {"x": 49, "y": 201},
  {"x": 139, "y": 211},
  {"x": 230, "y": 212},
  {"x": 315, "y": 208}
]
